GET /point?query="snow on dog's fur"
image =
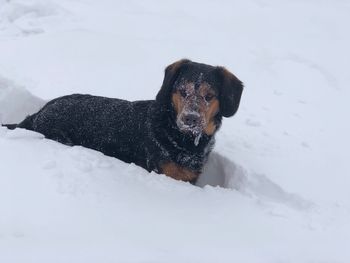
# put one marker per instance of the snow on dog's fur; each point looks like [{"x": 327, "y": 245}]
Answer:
[{"x": 173, "y": 134}]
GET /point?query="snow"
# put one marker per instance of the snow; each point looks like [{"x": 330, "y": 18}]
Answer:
[
  {"x": 16, "y": 102},
  {"x": 276, "y": 187}
]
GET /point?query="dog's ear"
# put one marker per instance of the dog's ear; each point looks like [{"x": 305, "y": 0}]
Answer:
[
  {"x": 230, "y": 88},
  {"x": 171, "y": 73}
]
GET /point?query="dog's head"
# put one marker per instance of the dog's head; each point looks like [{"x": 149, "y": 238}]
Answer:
[{"x": 200, "y": 95}]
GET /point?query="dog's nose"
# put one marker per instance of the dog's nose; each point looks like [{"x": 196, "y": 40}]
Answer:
[{"x": 191, "y": 120}]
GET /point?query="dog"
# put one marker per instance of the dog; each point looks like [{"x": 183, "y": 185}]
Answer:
[{"x": 172, "y": 135}]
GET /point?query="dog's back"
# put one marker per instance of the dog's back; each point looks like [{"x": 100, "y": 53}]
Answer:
[{"x": 104, "y": 124}]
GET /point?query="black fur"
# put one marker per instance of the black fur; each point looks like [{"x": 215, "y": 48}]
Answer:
[
  {"x": 140, "y": 132},
  {"x": 230, "y": 92}
]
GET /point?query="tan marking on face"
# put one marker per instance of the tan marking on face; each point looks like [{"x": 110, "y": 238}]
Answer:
[
  {"x": 177, "y": 172},
  {"x": 205, "y": 88},
  {"x": 212, "y": 110},
  {"x": 178, "y": 102},
  {"x": 206, "y": 109},
  {"x": 209, "y": 109}
]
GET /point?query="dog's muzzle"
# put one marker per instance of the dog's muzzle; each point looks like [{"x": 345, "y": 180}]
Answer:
[{"x": 191, "y": 122}]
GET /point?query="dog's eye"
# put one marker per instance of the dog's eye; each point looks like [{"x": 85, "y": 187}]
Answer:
[
  {"x": 209, "y": 97},
  {"x": 183, "y": 93}
]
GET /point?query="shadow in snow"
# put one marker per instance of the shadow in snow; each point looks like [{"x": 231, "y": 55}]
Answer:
[
  {"x": 16, "y": 102},
  {"x": 220, "y": 171}
]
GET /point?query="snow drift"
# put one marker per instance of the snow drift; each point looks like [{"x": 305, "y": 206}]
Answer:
[{"x": 276, "y": 187}]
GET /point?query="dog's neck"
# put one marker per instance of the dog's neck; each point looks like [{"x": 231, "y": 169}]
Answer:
[{"x": 184, "y": 149}]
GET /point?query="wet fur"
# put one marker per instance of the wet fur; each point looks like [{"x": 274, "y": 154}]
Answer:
[{"x": 141, "y": 132}]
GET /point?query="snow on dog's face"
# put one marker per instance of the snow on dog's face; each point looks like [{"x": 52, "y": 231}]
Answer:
[
  {"x": 196, "y": 105},
  {"x": 200, "y": 95}
]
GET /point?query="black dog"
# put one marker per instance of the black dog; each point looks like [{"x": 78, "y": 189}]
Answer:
[{"x": 173, "y": 134}]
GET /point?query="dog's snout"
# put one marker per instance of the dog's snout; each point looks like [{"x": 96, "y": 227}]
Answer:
[{"x": 191, "y": 120}]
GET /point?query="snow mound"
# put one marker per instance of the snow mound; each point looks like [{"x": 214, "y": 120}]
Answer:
[
  {"x": 28, "y": 17},
  {"x": 16, "y": 102},
  {"x": 276, "y": 189},
  {"x": 220, "y": 171},
  {"x": 93, "y": 206}
]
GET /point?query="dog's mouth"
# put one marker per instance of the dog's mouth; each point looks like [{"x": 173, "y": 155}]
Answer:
[{"x": 191, "y": 123}]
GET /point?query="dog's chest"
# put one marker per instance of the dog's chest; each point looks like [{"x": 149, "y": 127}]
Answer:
[{"x": 192, "y": 157}]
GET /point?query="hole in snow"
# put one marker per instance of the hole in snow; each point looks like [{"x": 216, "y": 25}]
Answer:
[{"x": 220, "y": 171}]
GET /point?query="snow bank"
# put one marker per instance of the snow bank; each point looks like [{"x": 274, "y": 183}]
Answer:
[
  {"x": 220, "y": 171},
  {"x": 16, "y": 102},
  {"x": 276, "y": 188},
  {"x": 29, "y": 17},
  {"x": 71, "y": 203}
]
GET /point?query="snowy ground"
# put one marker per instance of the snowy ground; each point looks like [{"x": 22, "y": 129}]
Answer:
[{"x": 281, "y": 162}]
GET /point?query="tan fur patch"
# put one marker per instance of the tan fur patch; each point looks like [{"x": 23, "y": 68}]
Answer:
[
  {"x": 207, "y": 109},
  {"x": 177, "y": 172},
  {"x": 204, "y": 88},
  {"x": 177, "y": 102},
  {"x": 212, "y": 110}
]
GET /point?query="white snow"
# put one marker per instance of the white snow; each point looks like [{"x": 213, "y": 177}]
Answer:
[
  {"x": 276, "y": 187},
  {"x": 16, "y": 102}
]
